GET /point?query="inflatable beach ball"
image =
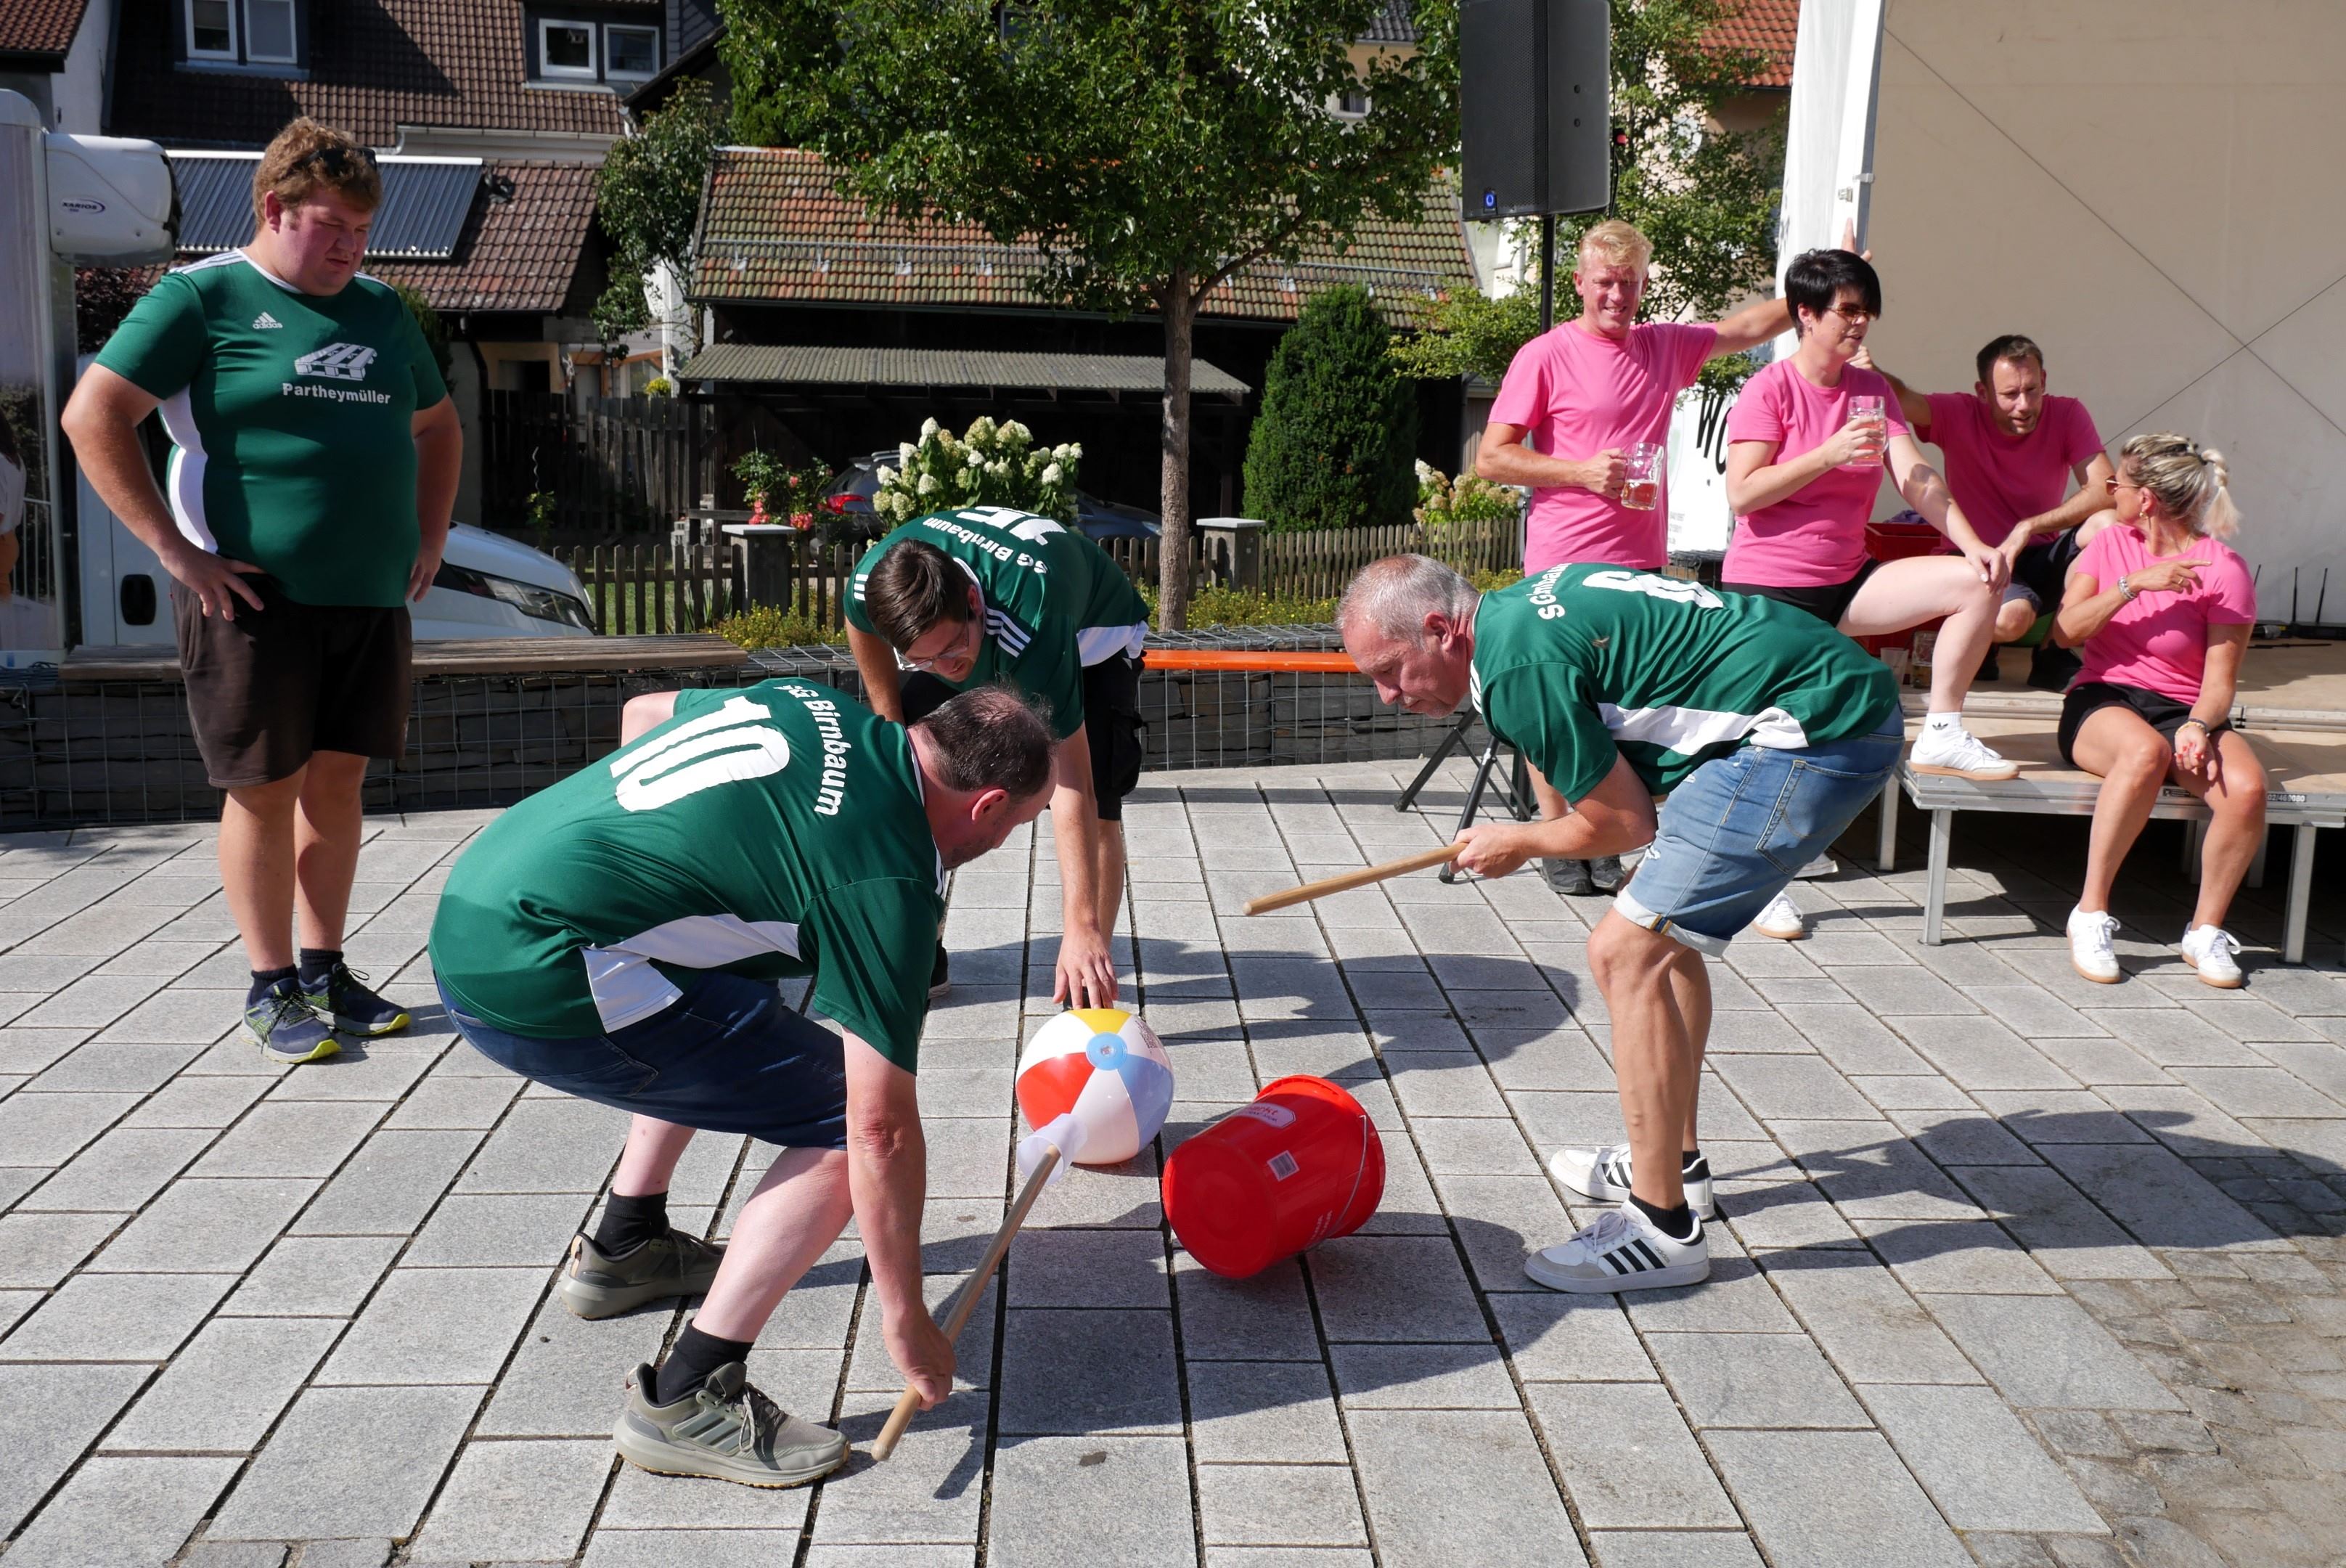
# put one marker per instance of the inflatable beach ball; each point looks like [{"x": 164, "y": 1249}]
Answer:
[{"x": 1107, "y": 1069}]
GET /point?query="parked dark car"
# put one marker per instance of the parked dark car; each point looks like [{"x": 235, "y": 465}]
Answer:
[{"x": 853, "y": 488}]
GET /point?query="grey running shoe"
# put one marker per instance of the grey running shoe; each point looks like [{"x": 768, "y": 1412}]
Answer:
[
  {"x": 594, "y": 1284},
  {"x": 355, "y": 1010},
  {"x": 287, "y": 1028},
  {"x": 1606, "y": 872},
  {"x": 727, "y": 1430},
  {"x": 1570, "y": 878}
]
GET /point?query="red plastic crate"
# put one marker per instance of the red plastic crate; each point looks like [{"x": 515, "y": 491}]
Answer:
[{"x": 1890, "y": 541}]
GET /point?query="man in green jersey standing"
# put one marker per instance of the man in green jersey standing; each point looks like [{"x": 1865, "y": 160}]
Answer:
[
  {"x": 959, "y": 598},
  {"x": 314, "y": 462},
  {"x": 617, "y": 937},
  {"x": 1768, "y": 736}
]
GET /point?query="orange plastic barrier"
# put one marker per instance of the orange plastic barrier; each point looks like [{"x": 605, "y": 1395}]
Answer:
[{"x": 1258, "y": 661}]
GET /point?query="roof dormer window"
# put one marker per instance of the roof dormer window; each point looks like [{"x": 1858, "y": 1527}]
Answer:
[
  {"x": 566, "y": 50},
  {"x": 580, "y": 48},
  {"x": 241, "y": 32}
]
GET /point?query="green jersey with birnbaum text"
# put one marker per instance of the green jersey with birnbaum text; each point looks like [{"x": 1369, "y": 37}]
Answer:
[
  {"x": 1055, "y": 602},
  {"x": 1583, "y": 663}
]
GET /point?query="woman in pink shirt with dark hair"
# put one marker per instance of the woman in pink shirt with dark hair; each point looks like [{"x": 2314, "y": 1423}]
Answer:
[{"x": 2162, "y": 608}]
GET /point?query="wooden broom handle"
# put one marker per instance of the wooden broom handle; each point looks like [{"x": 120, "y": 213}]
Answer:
[{"x": 1351, "y": 879}]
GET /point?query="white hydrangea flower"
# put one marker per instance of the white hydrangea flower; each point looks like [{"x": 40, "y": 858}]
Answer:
[
  {"x": 1052, "y": 475},
  {"x": 887, "y": 475},
  {"x": 1017, "y": 431},
  {"x": 929, "y": 485},
  {"x": 904, "y": 450},
  {"x": 928, "y": 428}
]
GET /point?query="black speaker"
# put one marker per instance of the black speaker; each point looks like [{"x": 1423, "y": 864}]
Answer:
[{"x": 1534, "y": 106}]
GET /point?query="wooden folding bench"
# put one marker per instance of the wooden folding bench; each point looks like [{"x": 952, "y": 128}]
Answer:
[{"x": 2306, "y": 769}]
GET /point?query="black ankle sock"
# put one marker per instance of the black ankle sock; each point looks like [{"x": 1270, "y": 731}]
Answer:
[
  {"x": 317, "y": 963},
  {"x": 629, "y": 1222},
  {"x": 265, "y": 980},
  {"x": 1693, "y": 1166},
  {"x": 689, "y": 1365},
  {"x": 1678, "y": 1224}
]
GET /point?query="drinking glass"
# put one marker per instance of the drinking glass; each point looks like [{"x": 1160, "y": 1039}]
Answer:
[{"x": 1641, "y": 484}]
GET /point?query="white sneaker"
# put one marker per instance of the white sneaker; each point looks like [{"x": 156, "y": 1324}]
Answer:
[
  {"x": 2090, "y": 952},
  {"x": 1604, "y": 1174},
  {"x": 1781, "y": 920},
  {"x": 1622, "y": 1251},
  {"x": 1951, "y": 749},
  {"x": 1822, "y": 866},
  {"x": 2210, "y": 949}
]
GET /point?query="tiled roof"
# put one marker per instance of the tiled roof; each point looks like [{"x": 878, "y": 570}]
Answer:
[
  {"x": 1769, "y": 26},
  {"x": 515, "y": 255},
  {"x": 1396, "y": 23},
  {"x": 792, "y": 364},
  {"x": 773, "y": 230},
  {"x": 373, "y": 66},
  {"x": 39, "y": 26}
]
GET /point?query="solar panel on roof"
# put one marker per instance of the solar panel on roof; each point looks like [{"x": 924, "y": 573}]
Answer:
[{"x": 424, "y": 203}]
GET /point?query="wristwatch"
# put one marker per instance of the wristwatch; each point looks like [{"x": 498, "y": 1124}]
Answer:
[{"x": 2126, "y": 589}]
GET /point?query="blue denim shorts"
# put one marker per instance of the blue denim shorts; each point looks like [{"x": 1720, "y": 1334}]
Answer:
[
  {"x": 727, "y": 1056},
  {"x": 1733, "y": 834}
]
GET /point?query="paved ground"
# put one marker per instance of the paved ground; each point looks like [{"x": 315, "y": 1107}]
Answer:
[{"x": 2018, "y": 1269}]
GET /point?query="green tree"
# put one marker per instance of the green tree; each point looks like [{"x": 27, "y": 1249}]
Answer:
[
  {"x": 647, "y": 197},
  {"x": 1150, "y": 148},
  {"x": 1335, "y": 443},
  {"x": 1705, "y": 196},
  {"x": 427, "y": 321}
]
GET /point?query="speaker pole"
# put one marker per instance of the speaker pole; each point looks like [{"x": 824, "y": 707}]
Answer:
[{"x": 1547, "y": 271}]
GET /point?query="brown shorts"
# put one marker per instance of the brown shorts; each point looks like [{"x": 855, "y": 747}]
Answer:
[{"x": 270, "y": 687}]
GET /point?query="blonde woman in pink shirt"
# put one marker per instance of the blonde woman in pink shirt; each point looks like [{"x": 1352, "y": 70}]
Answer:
[{"x": 2162, "y": 608}]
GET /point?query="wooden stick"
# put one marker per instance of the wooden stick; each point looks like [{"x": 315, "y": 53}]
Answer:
[
  {"x": 908, "y": 1403},
  {"x": 1350, "y": 880}
]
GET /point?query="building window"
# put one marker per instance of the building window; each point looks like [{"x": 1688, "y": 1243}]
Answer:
[
  {"x": 242, "y": 31},
  {"x": 1352, "y": 103},
  {"x": 211, "y": 29},
  {"x": 268, "y": 32},
  {"x": 566, "y": 50},
  {"x": 630, "y": 54}
]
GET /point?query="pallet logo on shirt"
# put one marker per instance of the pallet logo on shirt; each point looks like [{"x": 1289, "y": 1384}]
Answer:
[{"x": 335, "y": 362}]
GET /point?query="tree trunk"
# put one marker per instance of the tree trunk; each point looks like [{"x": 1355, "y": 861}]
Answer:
[{"x": 1173, "y": 440}]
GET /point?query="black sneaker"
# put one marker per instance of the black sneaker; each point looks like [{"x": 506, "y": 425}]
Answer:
[
  {"x": 355, "y": 1009},
  {"x": 1568, "y": 879},
  {"x": 287, "y": 1028},
  {"x": 594, "y": 1284},
  {"x": 940, "y": 981},
  {"x": 2052, "y": 668},
  {"x": 727, "y": 1430}
]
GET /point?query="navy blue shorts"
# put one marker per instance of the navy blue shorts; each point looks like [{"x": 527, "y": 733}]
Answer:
[{"x": 727, "y": 1056}]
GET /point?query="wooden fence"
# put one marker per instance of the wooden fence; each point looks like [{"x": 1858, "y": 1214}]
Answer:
[
  {"x": 637, "y": 590},
  {"x": 613, "y": 465}
]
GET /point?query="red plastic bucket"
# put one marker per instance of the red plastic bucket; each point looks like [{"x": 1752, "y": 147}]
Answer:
[
  {"x": 1887, "y": 541},
  {"x": 1300, "y": 1164}
]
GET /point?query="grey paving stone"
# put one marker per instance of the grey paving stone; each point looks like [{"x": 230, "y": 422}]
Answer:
[
  {"x": 1666, "y": 1483},
  {"x": 115, "y": 1317},
  {"x": 25, "y": 1052},
  {"x": 548, "y": 1146},
  {"x": 515, "y": 1502},
  {"x": 432, "y": 1326},
  {"x": 390, "y": 1185},
  {"x": 2067, "y": 1236},
  {"x": 113, "y": 1068},
  {"x": 1394, "y": 1288},
  {"x": 1754, "y": 1380},
  {"x": 702, "y": 1548},
  {"x": 290, "y": 1140},
  {"x": 1782, "y": 1213},
  {"x": 48, "y": 1129},
  {"x": 1972, "y": 1256},
  {"x": 1267, "y": 1316},
  {"x": 569, "y": 1376},
  {"x": 2163, "y": 1201},
  {"x": 1424, "y": 1378},
  {"x": 503, "y": 1230},
  {"x": 1473, "y": 1147},
  {"x": 178, "y": 1015},
  {"x": 384, "y": 1071},
  {"x": 38, "y": 1250},
  {"x": 820, "y": 1311},
  {"x": 15, "y": 1304},
  {"x": 412, "y": 1434},
  {"x": 1873, "y": 1177},
  {"x": 255, "y": 1553},
  {"x": 220, "y": 1392},
  {"x": 123, "y": 1511},
  {"x": 313, "y": 1277},
  {"x": 1962, "y": 1136},
  {"x": 211, "y": 1226},
  {"x": 1442, "y": 1083},
  {"x": 199, "y": 1100},
  {"x": 445, "y": 1100},
  {"x": 1089, "y": 1268},
  {"x": 1978, "y": 1463},
  {"x": 1831, "y": 1498},
  {"x": 1673, "y": 1548},
  {"x": 1078, "y": 1501},
  {"x": 1264, "y": 1413},
  {"x": 1501, "y": 1219},
  {"x": 1088, "y": 1371},
  {"x": 2042, "y": 1117},
  {"x": 2044, "y": 1352},
  {"x": 1552, "y": 1337},
  {"x": 1735, "y": 1300},
  {"x": 120, "y": 1171},
  {"x": 1279, "y": 1505},
  {"x": 870, "y": 1367},
  {"x": 48, "y": 1415},
  {"x": 1450, "y": 1486},
  {"x": 1866, "y": 1323}
]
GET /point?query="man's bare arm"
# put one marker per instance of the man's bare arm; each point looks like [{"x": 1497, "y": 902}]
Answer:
[{"x": 1754, "y": 324}]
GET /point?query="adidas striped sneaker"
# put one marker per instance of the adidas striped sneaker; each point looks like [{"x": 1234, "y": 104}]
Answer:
[
  {"x": 1603, "y": 1174},
  {"x": 725, "y": 1430},
  {"x": 1622, "y": 1251}
]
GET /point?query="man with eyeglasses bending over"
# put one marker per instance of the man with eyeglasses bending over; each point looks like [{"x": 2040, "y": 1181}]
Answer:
[
  {"x": 956, "y": 599},
  {"x": 315, "y": 464}
]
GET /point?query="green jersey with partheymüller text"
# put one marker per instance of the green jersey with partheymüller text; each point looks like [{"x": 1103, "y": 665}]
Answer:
[
  {"x": 1055, "y": 602},
  {"x": 770, "y": 831},
  {"x": 1584, "y": 663},
  {"x": 291, "y": 422}
]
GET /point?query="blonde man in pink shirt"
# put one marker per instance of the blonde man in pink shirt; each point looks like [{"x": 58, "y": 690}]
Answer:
[
  {"x": 2163, "y": 609},
  {"x": 2012, "y": 450},
  {"x": 1576, "y": 401}
]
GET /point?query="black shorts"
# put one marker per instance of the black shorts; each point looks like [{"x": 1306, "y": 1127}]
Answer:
[
  {"x": 2042, "y": 569},
  {"x": 1829, "y": 604},
  {"x": 1112, "y": 724},
  {"x": 2159, "y": 710},
  {"x": 276, "y": 685}
]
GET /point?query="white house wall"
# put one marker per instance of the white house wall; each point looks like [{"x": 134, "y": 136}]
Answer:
[{"x": 2148, "y": 188}]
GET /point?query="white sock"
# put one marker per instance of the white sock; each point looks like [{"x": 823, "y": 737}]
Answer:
[{"x": 1943, "y": 721}]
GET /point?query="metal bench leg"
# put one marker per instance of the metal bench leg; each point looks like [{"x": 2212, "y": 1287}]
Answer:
[
  {"x": 1450, "y": 742},
  {"x": 1935, "y": 894},
  {"x": 2195, "y": 833},
  {"x": 2256, "y": 878},
  {"x": 1449, "y": 872},
  {"x": 2301, "y": 892},
  {"x": 1888, "y": 858}
]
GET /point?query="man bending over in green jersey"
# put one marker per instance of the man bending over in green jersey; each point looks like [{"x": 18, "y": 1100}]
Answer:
[
  {"x": 955, "y": 599},
  {"x": 618, "y": 936}
]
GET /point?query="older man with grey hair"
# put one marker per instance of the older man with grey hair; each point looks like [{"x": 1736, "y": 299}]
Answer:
[{"x": 1767, "y": 732}]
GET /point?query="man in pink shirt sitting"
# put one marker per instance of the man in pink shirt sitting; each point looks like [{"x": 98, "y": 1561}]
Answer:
[
  {"x": 1583, "y": 396},
  {"x": 2011, "y": 451}
]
